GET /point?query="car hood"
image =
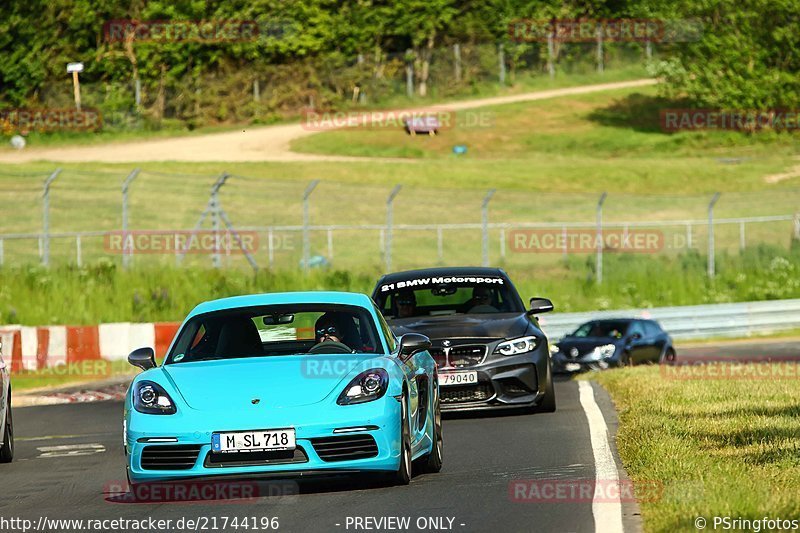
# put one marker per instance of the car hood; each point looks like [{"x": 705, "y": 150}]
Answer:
[
  {"x": 585, "y": 344},
  {"x": 490, "y": 325},
  {"x": 277, "y": 381}
]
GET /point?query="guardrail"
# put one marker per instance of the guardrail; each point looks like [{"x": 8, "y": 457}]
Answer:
[{"x": 694, "y": 321}]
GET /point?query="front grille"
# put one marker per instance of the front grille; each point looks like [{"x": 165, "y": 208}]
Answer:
[
  {"x": 469, "y": 355},
  {"x": 271, "y": 457},
  {"x": 466, "y": 393},
  {"x": 177, "y": 457},
  {"x": 332, "y": 449}
]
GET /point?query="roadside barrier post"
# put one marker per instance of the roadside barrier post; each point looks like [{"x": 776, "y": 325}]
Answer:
[
  {"x": 46, "y": 217},
  {"x": 306, "y": 238},
  {"x": 126, "y": 251},
  {"x": 711, "y": 265},
  {"x": 599, "y": 264},
  {"x": 389, "y": 223},
  {"x": 485, "y": 226}
]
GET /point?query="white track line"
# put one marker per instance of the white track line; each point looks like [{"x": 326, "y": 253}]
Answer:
[{"x": 607, "y": 515}]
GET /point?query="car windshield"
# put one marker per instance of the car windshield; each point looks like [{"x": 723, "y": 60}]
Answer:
[
  {"x": 276, "y": 330},
  {"x": 608, "y": 329},
  {"x": 449, "y": 299}
]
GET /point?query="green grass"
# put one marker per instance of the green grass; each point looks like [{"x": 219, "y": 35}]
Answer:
[
  {"x": 715, "y": 447},
  {"x": 103, "y": 292}
]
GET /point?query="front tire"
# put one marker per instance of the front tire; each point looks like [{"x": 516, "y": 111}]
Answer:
[
  {"x": 548, "y": 404},
  {"x": 403, "y": 474},
  {"x": 7, "y": 451},
  {"x": 433, "y": 461}
]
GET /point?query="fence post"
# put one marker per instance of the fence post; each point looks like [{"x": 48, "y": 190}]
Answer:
[
  {"x": 330, "y": 243},
  {"x": 389, "y": 222},
  {"x": 797, "y": 226},
  {"x": 485, "y": 226},
  {"x": 503, "y": 243},
  {"x": 711, "y": 265},
  {"x": 600, "y": 47},
  {"x": 126, "y": 252},
  {"x": 688, "y": 236},
  {"x": 270, "y": 250},
  {"x": 742, "y": 242},
  {"x": 501, "y": 59},
  {"x": 551, "y": 68},
  {"x": 440, "y": 244},
  {"x": 599, "y": 260},
  {"x": 457, "y": 58},
  {"x": 215, "y": 217},
  {"x": 2, "y": 253},
  {"x": 45, "y": 252},
  {"x": 306, "y": 237},
  {"x": 78, "y": 251},
  {"x": 409, "y": 73}
]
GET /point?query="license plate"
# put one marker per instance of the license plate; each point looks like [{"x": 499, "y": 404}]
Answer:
[
  {"x": 457, "y": 378},
  {"x": 572, "y": 367},
  {"x": 253, "y": 441}
]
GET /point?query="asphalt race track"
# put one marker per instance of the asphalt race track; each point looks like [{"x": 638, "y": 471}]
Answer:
[{"x": 69, "y": 464}]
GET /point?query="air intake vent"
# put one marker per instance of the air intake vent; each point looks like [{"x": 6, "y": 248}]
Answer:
[
  {"x": 275, "y": 457},
  {"x": 466, "y": 393},
  {"x": 177, "y": 457},
  {"x": 332, "y": 449}
]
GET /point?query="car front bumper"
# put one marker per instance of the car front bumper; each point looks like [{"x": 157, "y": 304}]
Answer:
[
  {"x": 317, "y": 441},
  {"x": 503, "y": 383}
]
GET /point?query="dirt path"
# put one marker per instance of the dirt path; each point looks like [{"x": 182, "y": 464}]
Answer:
[{"x": 262, "y": 143}]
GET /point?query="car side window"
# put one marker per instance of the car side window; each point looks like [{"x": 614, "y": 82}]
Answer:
[
  {"x": 391, "y": 340},
  {"x": 636, "y": 327},
  {"x": 652, "y": 329}
]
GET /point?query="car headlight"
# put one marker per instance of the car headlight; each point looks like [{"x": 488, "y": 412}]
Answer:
[
  {"x": 365, "y": 387},
  {"x": 554, "y": 349},
  {"x": 516, "y": 346},
  {"x": 151, "y": 398},
  {"x": 605, "y": 351}
]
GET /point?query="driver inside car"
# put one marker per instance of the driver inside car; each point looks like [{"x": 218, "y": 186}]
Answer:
[{"x": 338, "y": 328}]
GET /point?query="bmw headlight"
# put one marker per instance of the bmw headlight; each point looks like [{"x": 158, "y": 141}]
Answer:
[
  {"x": 605, "y": 351},
  {"x": 150, "y": 398},
  {"x": 365, "y": 387},
  {"x": 516, "y": 346},
  {"x": 554, "y": 349}
]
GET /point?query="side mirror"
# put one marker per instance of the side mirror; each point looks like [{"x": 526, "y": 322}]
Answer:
[
  {"x": 540, "y": 305},
  {"x": 412, "y": 343},
  {"x": 144, "y": 358},
  {"x": 636, "y": 336}
]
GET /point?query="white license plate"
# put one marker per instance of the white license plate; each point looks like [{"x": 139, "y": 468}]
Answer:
[
  {"x": 572, "y": 367},
  {"x": 457, "y": 378},
  {"x": 253, "y": 441}
]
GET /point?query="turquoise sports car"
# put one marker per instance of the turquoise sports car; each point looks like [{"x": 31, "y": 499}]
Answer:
[{"x": 284, "y": 384}]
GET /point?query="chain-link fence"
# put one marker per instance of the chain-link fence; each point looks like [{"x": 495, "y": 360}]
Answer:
[{"x": 242, "y": 221}]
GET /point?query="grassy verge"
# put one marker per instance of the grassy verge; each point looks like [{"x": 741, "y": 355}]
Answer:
[
  {"x": 103, "y": 292},
  {"x": 717, "y": 447}
]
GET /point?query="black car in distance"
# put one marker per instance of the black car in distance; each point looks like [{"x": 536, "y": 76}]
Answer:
[
  {"x": 601, "y": 344},
  {"x": 490, "y": 351}
]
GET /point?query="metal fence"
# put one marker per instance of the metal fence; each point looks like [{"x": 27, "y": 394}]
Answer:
[
  {"x": 302, "y": 225},
  {"x": 694, "y": 321}
]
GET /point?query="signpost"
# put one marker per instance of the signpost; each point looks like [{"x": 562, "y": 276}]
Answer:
[{"x": 75, "y": 68}]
